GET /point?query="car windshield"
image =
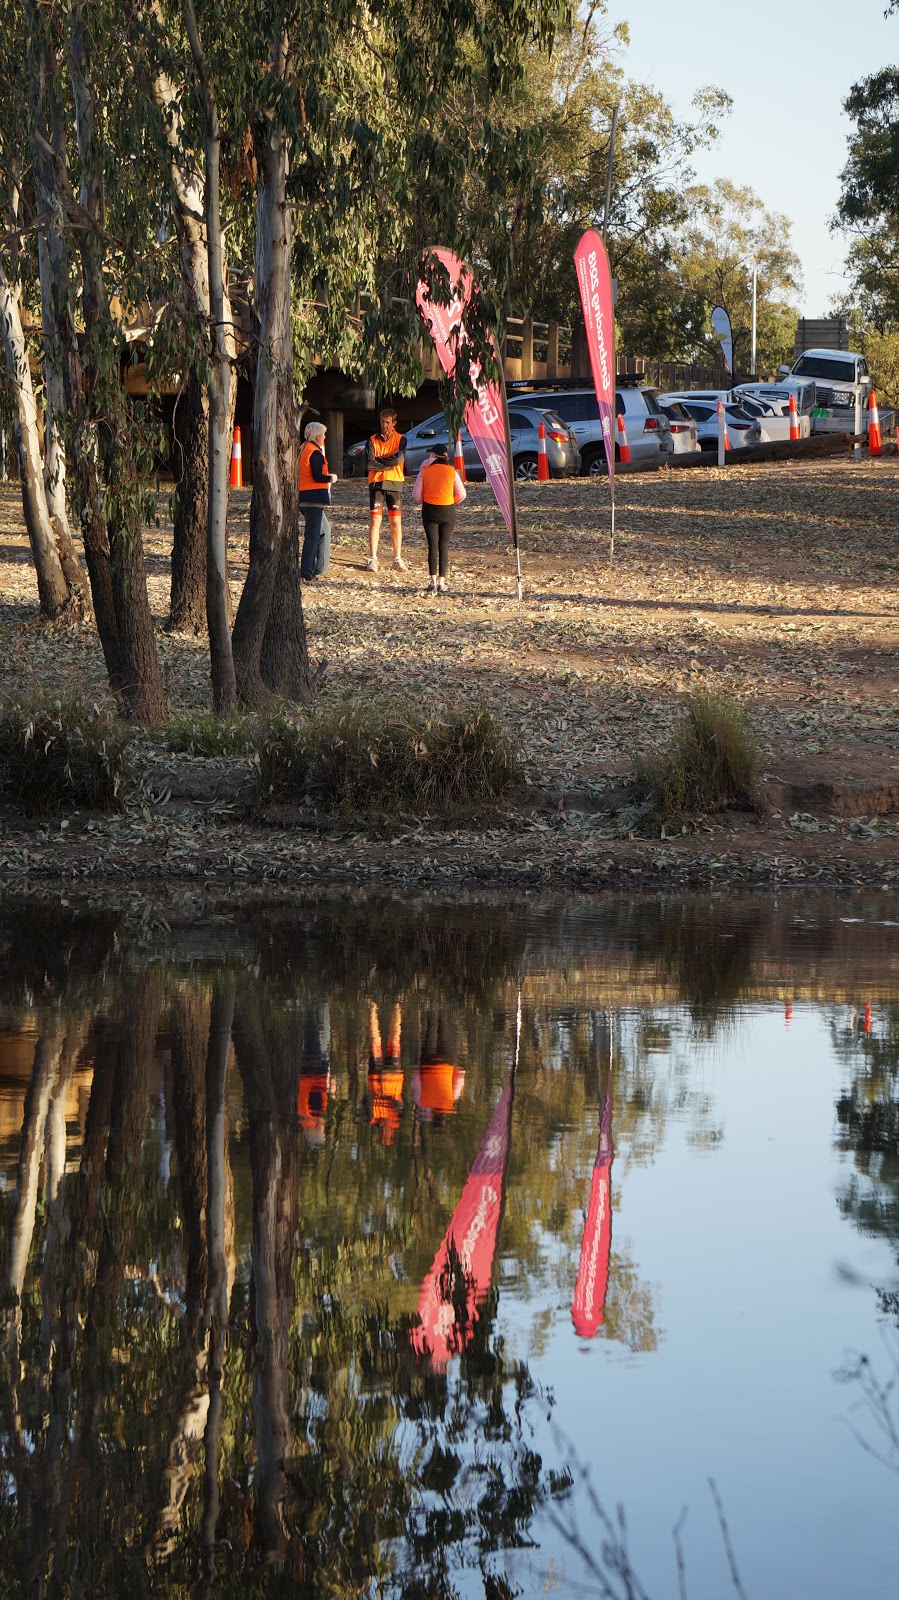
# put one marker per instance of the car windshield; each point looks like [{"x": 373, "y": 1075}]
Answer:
[
  {"x": 652, "y": 404},
  {"x": 825, "y": 367},
  {"x": 738, "y": 414},
  {"x": 675, "y": 410},
  {"x": 553, "y": 420}
]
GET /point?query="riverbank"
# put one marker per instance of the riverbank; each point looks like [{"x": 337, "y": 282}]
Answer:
[{"x": 777, "y": 584}]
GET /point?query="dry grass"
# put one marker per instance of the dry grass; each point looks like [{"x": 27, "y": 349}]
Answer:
[
  {"x": 374, "y": 764},
  {"x": 714, "y": 763},
  {"x": 57, "y": 754}
]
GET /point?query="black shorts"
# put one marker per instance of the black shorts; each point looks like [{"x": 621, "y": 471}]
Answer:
[{"x": 379, "y": 494}]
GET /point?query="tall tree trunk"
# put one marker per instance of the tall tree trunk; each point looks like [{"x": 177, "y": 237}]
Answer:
[
  {"x": 54, "y": 411},
  {"x": 262, "y": 666},
  {"x": 187, "y": 605},
  {"x": 55, "y": 203},
  {"x": 55, "y": 595},
  {"x": 284, "y": 660},
  {"x": 188, "y": 592},
  {"x": 221, "y": 379},
  {"x": 140, "y": 676}
]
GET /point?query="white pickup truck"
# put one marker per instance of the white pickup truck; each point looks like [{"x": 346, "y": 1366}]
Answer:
[{"x": 842, "y": 381}]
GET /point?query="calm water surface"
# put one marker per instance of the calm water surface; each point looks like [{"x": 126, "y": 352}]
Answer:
[{"x": 388, "y": 1248}]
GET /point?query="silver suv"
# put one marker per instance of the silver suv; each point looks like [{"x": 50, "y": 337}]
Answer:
[{"x": 647, "y": 428}]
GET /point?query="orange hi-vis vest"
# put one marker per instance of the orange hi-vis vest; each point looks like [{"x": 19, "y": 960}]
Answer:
[
  {"x": 438, "y": 483},
  {"x": 306, "y": 479},
  {"x": 437, "y": 1087},
  {"x": 387, "y": 447},
  {"x": 312, "y": 1098},
  {"x": 386, "y": 1089}
]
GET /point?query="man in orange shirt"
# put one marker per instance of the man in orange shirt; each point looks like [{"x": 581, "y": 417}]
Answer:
[{"x": 384, "y": 460}]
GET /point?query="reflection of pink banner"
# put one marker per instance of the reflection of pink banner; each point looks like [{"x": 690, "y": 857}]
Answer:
[
  {"x": 588, "y": 1309},
  {"x": 467, "y": 1246},
  {"x": 484, "y": 420},
  {"x": 595, "y": 283}
]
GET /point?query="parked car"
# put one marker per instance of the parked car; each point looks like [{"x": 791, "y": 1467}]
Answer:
[
  {"x": 645, "y": 423},
  {"x": 743, "y": 430},
  {"x": 524, "y": 421},
  {"x": 684, "y": 430}
]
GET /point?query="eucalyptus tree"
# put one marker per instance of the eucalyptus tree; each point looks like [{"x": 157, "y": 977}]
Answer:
[
  {"x": 85, "y": 173},
  {"x": 41, "y": 470}
]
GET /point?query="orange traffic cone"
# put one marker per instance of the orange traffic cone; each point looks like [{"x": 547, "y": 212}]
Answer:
[
  {"x": 874, "y": 439},
  {"x": 542, "y": 457},
  {"x": 624, "y": 449},
  {"x": 236, "y": 462},
  {"x": 459, "y": 458},
  {"x": 794, "y": 418},
  {"x": 721, "y": 412}
]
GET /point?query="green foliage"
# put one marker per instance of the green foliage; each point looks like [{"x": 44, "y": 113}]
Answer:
[
  {"x": 728, "y": 231},
  {"x": 62, "y": 753},
  {"x": 714, "y": 763},
  {"x": 378, "y": 765}
]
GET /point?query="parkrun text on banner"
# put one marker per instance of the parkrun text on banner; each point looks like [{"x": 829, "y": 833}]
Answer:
[{"x": 594, "y": 281}]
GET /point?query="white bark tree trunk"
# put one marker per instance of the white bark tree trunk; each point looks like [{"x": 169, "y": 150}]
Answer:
[
  {"x": 53, "y": 589},
  {"x": 224, "y": 685}
]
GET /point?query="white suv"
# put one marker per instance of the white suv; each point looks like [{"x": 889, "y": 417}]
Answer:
[{"x": 647, "y": 428}]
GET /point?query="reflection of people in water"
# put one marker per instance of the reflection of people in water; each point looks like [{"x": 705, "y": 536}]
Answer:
[
  {"x": 315, "y": 1076},
  {"x": 437, "y": 1083},
  {"x": 385, "y": 1075}
]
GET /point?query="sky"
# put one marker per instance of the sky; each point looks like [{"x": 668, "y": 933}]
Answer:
[{"x": 787, "y": 65}]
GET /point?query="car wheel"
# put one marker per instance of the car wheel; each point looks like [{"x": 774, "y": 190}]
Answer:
[
  {"x": 525, "y": 468},
  {"x": 593, "y": 462}
]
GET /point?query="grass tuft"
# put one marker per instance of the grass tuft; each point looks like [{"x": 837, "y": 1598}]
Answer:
[
  {"x": 205, "y": 733},
  {"x": 57, "y": 754},
  {"x": 714, "y": 763},
  {"x": 376, "y": 765}
]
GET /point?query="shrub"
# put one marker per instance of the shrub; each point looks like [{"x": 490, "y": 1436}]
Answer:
[
  {"x": 62, "y": 753},
  {"x": 714, "y": 763},
  {"x": 377, "y": 765},
  {"x": 205, "y": 733}
]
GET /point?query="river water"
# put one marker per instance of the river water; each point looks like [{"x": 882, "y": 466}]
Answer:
[{"x": 408, "y": 1248}]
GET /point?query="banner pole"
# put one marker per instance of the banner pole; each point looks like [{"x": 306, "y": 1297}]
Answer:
[
  {"x": 510, "y": 473},
  {"x": 612, "y": 539}
]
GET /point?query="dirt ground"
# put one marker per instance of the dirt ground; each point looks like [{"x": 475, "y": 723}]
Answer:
[{"x": 776, "y": 583}]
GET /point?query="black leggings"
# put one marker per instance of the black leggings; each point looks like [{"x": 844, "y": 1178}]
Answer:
[{"x": 439, "y": 523}]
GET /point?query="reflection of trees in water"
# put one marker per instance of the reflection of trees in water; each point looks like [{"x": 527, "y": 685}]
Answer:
[
  {"x": 146, "y": 1422},
  {"x": 868, "y": 1122}
]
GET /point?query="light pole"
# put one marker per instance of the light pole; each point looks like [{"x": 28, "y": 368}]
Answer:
[{"x": 755, "y": 286}]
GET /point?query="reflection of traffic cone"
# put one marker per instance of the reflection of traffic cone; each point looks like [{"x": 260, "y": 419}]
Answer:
[
  {"x": 723, "y": 413},
  {"x": 459, "y": 458},
  {"x": 794, "y": 418},
  {"x": 867, "y": 1021},
  {"x": 236, "y": 462},
  {"x": 542, "y": 457},
  {"x": 874, "y": 440},
  {"x": 788, "y": 1014},
  {"x": 624, "y": 449}
]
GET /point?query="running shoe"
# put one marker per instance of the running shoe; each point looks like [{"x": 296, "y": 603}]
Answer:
[
  {"x": 371, "y": 564},
  {"x": 432, "y": 587},
  {"x": 441, "y": 586},
  {"x": 400, "y": 564}
]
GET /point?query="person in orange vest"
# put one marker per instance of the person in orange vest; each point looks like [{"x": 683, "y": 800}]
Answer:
[
  {"x": 315, "y": 497},
  {"x": 437, "y": 1084},
  {"x": 438, "y": 489},
  {"x": 385, "y": 454},
  {"x": 385, "y": 1077}
]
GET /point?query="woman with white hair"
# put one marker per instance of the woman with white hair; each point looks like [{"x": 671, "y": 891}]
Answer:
[{"x": 315, "y": 497}]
